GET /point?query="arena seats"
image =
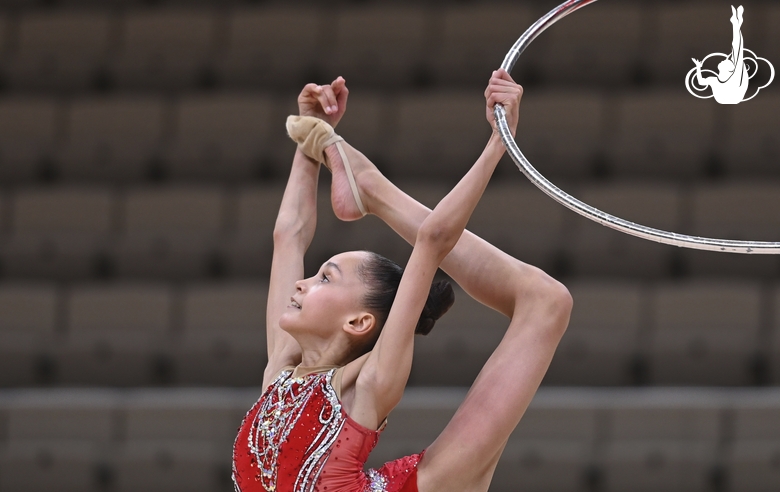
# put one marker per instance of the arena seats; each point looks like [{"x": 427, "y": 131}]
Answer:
[
  {"x": 222, "y": 339},
  {"x": 117, "y": 335},
  {"x": 58, "y": 233},
  {"x": 223, "y": 137},
  {"x": 112, "y": 138},
  {"x": 62, "y": 50},
  {"x": 247, "y": 251},
  {"x": 143, "y": 158},
  {"x": 538, "y": 224},
  {"x": 29, "y": 132},
  {"x": 599, "y": 251},
  {"x": 661, "y": 134},
  {"x": 378, "y": 45},
  {"x": 753, "y": 457},
  {"x": 170, "y": 231},
  {"x": 769, "y": 44},
  {"x": 673, "y": 443},
  {"x": 753, "y": 144},
  {"x": 731, "y": 210},
  {"x": 571, "y": 438},
  {"x": 165, "y": 48},
  {"x": 562, "y": 132},
  {"x": 240, "y": 136},
  {"x": 468, "y": 334},
  {"x": 602, "y": 44},
  {"x": 772, "y": 349},
  {"x": 251, "y": 54},
  {"x": 705, "y": 332},
  {"x": 551, "y": 449},
  {"x": 366, "y": 125},
  {"x": 29, "y": 314},
  {"x": 473, "y": 40},
  {"x": 437, "y": 134},
  {"x": 175, "y": 444},
  {"x": 603, "y": 341},
  {"x": 56, "y": 440}
]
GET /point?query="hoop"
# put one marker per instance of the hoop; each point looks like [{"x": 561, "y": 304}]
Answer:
[{"x": 594, "y": 214}]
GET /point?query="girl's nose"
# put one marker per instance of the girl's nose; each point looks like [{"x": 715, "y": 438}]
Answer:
[{"x": 300, "y": 285}]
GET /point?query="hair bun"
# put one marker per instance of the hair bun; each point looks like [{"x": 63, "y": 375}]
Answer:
[{"x": 440, "y": 299}]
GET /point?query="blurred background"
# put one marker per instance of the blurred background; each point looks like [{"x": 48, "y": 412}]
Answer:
[{"x": 143, "y": 158}]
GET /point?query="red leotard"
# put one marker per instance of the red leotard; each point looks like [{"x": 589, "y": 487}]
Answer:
[{"x": 298, "y": 438}]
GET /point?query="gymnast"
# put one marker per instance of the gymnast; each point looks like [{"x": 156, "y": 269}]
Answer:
[
  {"x": 340, "y": 343},
  {"x": 731, "y": 84}
]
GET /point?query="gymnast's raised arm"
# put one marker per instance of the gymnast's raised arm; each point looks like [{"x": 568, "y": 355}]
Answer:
[
  {"x": 295, "y": 226},
  {"x": 382, "y": 380}
]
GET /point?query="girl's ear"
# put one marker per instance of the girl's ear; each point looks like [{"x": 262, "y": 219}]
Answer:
[{"x": 360, "y": 325}]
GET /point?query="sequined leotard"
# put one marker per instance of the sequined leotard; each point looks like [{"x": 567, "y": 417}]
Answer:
[{"x": 298, "y": 438}]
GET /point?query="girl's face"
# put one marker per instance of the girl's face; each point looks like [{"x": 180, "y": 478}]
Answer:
[{"x": 322, "y": 304}]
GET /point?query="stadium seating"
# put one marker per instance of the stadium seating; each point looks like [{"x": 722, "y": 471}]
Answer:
[
  {"x": 28, "y": 332},
  {"x": 165, "y": 48},
  {"x": 117, "y": 335},
  {"x": 562, "y": 132},
  {"x": 29, "y": 133},
  {"x": 222, "y": 137},
  {"x": 661, "y": 134},
  {"x": 473, "y": 39},
  {"x": 705, "y": 332},
  {"x": 222, "y": 340},
  {"x": 603, "y": 341},
  {"x": 746, "y": 210},
  {"x": 378, "y": 45},
  {"x": 62, "y": 50},
  {"x": 600, "y": 45},
  {"x": 251, "y": 55},
  {"x": 59, "y": 233},
  {"x": 143, "y": 159},
  {"x": 753, "y": 143},
  {"x": 112, "y": 138},
  {"x": 599, "y": 251}
]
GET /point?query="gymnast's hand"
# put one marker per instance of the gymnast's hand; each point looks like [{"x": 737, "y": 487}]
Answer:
[
  {"x": 326, "y": 102},
  {"x": 503, "y": 90}
]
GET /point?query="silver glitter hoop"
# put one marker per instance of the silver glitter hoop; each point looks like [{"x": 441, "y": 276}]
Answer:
[{"x": 594, "y": 214}]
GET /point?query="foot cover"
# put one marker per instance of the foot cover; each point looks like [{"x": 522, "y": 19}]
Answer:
[{"x": 313, "y": 135}]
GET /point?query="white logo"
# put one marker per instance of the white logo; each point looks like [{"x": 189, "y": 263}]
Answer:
[{"x": 730, "y": 84}]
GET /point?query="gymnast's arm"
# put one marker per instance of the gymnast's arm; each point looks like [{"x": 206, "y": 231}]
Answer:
[
  {"x": 295, "y": 226},
  {"x": 381, "y": 382}
]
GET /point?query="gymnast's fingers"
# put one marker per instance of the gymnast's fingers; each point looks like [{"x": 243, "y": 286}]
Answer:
[
  {"x": 504, "y": 75},
  {"x": 342, "y": 93},
  {"x": 328, "y": 100},
  {"x": 309, "y": 92},
  {"x": 506, "y": 96}
]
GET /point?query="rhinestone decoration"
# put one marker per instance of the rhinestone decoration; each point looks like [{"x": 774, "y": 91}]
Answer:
[
  {"x": 376, "y": 481},
  {"x": 279, "y": 412}
]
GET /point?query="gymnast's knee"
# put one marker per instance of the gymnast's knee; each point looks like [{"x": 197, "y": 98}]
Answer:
[{"x": 543, "y": 294}]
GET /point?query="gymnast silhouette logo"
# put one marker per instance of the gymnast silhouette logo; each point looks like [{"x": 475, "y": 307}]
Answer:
[{"x": 730, "y": 84}]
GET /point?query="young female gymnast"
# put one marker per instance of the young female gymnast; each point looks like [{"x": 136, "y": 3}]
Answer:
[{"x": 340, "y": 343}]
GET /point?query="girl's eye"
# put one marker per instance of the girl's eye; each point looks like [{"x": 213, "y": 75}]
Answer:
[{"x": 325, "y": 278}]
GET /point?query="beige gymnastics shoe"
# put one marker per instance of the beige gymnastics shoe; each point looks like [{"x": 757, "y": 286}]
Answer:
[{"x": 313, "y": 135}]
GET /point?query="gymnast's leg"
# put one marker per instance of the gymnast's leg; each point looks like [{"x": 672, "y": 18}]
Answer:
[{"x": 464, "y": 456}]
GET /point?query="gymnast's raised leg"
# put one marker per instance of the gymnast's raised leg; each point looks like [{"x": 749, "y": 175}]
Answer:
[{"x": 464, "y": 456}]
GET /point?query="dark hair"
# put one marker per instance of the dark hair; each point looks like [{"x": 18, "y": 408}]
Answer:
[{"x": 382, "y": 276}]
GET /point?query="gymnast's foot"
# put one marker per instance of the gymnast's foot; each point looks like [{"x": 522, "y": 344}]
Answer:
[
  {"x": 352, "y": 172},
  {"x": 343, "y": 196}
]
